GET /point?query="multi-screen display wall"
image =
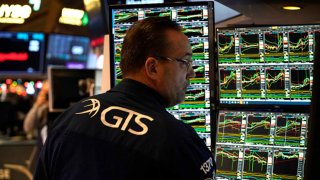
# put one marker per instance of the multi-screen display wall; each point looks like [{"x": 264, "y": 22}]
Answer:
[
  {"x": 265, "y": 77},
  {"x": 197, "y": 22},
  {"x": 270, "y": 65}
]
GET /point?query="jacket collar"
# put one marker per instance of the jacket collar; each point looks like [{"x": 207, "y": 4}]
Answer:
[{"x": 138, "y": 89}]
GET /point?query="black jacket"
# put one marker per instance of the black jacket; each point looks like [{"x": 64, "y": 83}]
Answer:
[{"x": 123, "y": 134}]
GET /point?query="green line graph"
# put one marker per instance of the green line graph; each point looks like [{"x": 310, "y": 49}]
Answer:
[
  {"x": 250, "y": 79},
  {"x": 275, "y": 79},
  {"x": 261, "y": 124},
  {"x": 285, "y": 164},
  {"x": 227, "y": 79},
  {"x": 197, "y": 47},
  {"x": 249, "y": 43},
  {"x": 288, "y": 131},
  {"x": 194, "y": 95},
  {"x": 298, "y": 42},
  {"x": 157, "y": 14},
  {"x": 255, "y": 161},
  {"x": 229, "y": 128},
  {"x": 300, "y": 79},
  {"x": 226, "y": 44},
  {"x": 192, "y": 31},
  {"x": 126, "y": 17},
  {"x": 273, "y": 43},
  {"x": 227, "y": 160},
  {"x": 258, "y": 129}
]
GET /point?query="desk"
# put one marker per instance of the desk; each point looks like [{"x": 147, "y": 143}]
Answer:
[{"x": 15, "y": 159}]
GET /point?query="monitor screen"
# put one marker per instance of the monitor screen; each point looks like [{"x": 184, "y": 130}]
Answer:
[
  {"x": 69, "y": 51},
  {"x": 196, "y": 19},
  {"x": 261, "y": 145},
  {"x": 68, "y": 86},
  {"x": 96, "y": 55},
  {"x": 21, "y": 52},
  {"x": 144, "y": 1},
  {"x": 266, "y": 65}
]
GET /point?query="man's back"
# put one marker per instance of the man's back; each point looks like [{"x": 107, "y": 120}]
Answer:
[{"x": 111, "y": 136}]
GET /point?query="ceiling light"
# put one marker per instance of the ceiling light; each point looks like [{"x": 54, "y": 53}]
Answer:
[{"x": 291, "y": 8}]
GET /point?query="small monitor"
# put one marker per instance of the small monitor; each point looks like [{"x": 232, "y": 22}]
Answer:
[
  {"x": 96, "y": 54},
  {"x": 144, "y": 1},
  {"x": 21, "y": 52},
  {"x": 68, "y": 86},
  {"x": 67, "y": 50}
]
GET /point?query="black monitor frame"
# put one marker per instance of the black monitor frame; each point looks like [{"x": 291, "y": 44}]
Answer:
[
  {"x": 42, "y": 54},
  {"x": 313, "y": 156},
  {"x": 113, "y": 7},
  {"x": 311, "y": 145},
  {"x": 243, "y": 146},
  {"x": 60, "y": 72},
  {"x": 211, "y": 48},
  {"x": 48, "y": 60},
  {"x": 242, "y": 28}
]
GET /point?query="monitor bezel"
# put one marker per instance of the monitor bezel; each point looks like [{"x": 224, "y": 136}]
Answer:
[
  {"x": 211, "y": 37},
  {"x": 285, "y": 105},
  {"x": 47, "y": 60},
  {"x": 42, "y": 57},
  {"x": 133, "y": 6},
  {"x": 270, "y": 110},
  {"x": 61, "y": 69}
]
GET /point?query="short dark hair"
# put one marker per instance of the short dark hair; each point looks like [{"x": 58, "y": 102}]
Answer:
[{"x": 145, "y": 38}]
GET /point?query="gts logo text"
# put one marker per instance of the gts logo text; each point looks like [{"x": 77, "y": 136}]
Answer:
[{"x": 119, "y": 118}]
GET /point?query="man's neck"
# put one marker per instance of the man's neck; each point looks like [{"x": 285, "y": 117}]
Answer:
[{"x": 142, "y": 79}]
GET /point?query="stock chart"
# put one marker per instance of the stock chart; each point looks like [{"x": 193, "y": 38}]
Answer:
[
  {"x": 249, "y": 48},
  {"x": 273, "y": 47},
  {"x": 251, "y": 82},
  {"x": 260, "y": 145},
  {"x": 271, "y": 67},
  {"x": 227, "y": 159},
  {"x": 226, "y": 45},
  {"x": 266, "y": 65},
  {"x": 299, "y": 46},
  {"x": 194, "y": 21},
  {"x": 275, "y": 83},
  {"x": 228, "y": 83},
  {"x": 258, "y": 128},
  {"x": 255, "y": 163}
]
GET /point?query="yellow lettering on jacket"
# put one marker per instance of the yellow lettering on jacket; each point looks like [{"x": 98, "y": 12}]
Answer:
[{"x": 118, "y": 119}]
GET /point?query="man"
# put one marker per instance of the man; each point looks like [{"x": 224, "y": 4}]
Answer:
[{"x": 127, "y": 133}]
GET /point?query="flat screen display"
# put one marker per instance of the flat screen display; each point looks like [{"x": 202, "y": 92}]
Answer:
[
  {"x": 21, "y": 52},
  {"x": 67, "y": 50},
  {"x": 261, "y": 145},
  {"x": 68, "y": 86},
  {"x": 266, "y": 65},
  {"x": 196, "y": 19}
]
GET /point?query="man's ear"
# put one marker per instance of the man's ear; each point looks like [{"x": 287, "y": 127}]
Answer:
[{"x": 151, "y": 67}]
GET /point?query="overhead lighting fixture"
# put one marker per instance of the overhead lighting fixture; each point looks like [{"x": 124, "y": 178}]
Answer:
[{"x": 291, "y": 8}]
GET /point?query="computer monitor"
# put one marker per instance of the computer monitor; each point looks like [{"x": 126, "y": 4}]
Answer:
[
  {"x": 196, "y": 19},
  {"x": 21, "y": 52},
  {"x": 313, "y": 156},
  {"x": 268, "y": 66},
  {"x": 68, "y": 86},
  {"x": 96, "y": 54},
  {"x": 261, "y": 144},
  {"x": 67, "y": 50}
]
